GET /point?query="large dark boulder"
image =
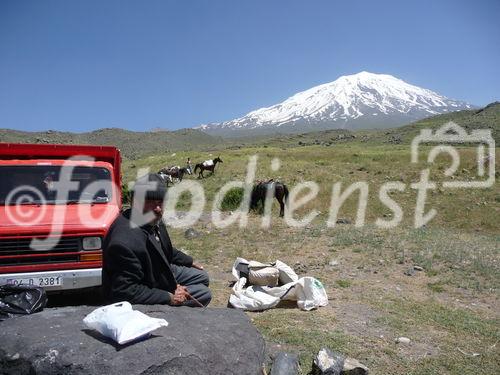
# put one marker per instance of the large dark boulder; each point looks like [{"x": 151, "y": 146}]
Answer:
[{"x": 197, "y": 341}]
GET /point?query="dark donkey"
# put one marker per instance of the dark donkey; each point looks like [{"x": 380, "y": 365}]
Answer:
[
  {"x": 207, "y": 165},
  {"x": 259, "y": 194}
]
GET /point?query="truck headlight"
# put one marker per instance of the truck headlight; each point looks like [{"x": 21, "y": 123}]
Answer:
[{"x": 91, "y": 243}]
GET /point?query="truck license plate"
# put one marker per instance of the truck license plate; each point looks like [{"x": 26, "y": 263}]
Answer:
[{"x": 38, "y": 281}]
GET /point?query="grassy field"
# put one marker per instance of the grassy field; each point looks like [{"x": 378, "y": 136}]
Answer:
[
  {"x": 450, "y": 310},
  {"x": 474, "y": 209}
]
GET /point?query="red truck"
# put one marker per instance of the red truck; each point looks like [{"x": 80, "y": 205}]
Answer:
[{"x": 48, "y": 238}]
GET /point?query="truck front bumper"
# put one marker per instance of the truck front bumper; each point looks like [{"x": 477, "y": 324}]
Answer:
[{"x": 56, "y": 280}]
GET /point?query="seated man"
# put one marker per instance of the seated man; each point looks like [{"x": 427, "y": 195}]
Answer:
[{"x": 140, "y": 264}]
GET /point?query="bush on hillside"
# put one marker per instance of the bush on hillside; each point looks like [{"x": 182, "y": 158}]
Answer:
[{"x": 232, "y": 199}]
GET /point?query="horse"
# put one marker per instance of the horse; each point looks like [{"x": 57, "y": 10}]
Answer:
[
  {"x": 207, "y": 165},
  {"x": 174, "y": 172},
  {"x": 259, "y": 193},
  {"x": 167, "y": 179}
]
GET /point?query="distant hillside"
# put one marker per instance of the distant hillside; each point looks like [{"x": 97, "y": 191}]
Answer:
[
  {"x": 132, "y": 144},
  {"x": 484, "y": 118},
  {"x": 138, "y": 144},
  {"x": 324, "y": 137}
]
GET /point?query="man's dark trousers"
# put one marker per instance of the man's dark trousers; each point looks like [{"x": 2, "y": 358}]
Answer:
[{"x": 196, "y": 282}]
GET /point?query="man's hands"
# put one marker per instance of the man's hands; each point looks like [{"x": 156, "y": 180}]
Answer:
[{"x": 181, "y": 295}]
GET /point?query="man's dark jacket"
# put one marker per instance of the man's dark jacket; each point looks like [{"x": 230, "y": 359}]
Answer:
[{"x": 136, "y": 267}]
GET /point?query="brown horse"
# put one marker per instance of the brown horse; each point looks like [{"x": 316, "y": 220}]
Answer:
[
  {"x": 207, "y": 165},
  {"x": 259, "y": 192}
]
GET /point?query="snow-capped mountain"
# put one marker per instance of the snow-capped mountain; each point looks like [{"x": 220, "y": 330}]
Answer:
[{"x": 363, "y": 100}]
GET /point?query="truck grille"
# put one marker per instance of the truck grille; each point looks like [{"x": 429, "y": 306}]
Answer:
[{"x": 21, "y": 246}]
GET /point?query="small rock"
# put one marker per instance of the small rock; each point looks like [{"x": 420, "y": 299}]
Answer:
[
  {"x": 190, "y": 233},
  {"x": 14, "y": 357},
  {"x": 354, "y": 367},
  {"x": 403, "y": 340},
  {"x": 410, "y": 272},
  {"x": 285, "y": 364},
  {"x": 343, "y": 221},
  {"x": 333, "y": 263},
  {"x": 418, "y": 268},
  {"x": 327, "y": 362},
  {"x": 300, "y": 268}
]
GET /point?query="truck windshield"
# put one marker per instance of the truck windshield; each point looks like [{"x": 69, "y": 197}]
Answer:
[{"x": 38, "y": 184}]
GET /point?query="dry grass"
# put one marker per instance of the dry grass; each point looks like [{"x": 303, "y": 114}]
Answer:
[{"x": 372, "y": 302}]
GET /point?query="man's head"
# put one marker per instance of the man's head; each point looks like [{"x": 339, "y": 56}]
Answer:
[{"x": 148, "y": 195}]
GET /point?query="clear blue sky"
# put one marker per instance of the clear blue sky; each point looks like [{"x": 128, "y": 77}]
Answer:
[{"x": 83, "y": 65}]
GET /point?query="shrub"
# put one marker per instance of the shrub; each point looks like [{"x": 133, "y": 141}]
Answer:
[
  {"x": 343, "y": 283},
  {"x": 232, "y": 199},
  {"x": 436, "y": 287},
  {"x": 125, "y": 194}
]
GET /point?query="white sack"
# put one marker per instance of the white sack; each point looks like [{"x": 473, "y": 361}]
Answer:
[
  {"x": 307, "y": 291},
  {"x": 263, "y": 275},
  {"x": 252, "y": 299},
  {"x": 208, "y": 163},
  {"x": 287, "y": 274},
  {"x": 121, "y": 323},
  {"x": 235, "y": 271}
]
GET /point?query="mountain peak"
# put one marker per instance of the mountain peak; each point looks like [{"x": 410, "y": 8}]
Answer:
[
  {"x": 367, "y": 76},
  {"x": 364, "y": 74},
  {"x": 359, "y": 100}
]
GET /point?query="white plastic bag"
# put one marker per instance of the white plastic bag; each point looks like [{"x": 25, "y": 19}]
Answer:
[
  {"x": 307, "y": 291},
  {"x": 312, "y": 295},
  {"x": 121, "y": 323}
]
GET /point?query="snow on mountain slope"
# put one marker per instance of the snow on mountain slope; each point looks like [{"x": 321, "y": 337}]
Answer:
[{"x": 354, "y": 101}]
